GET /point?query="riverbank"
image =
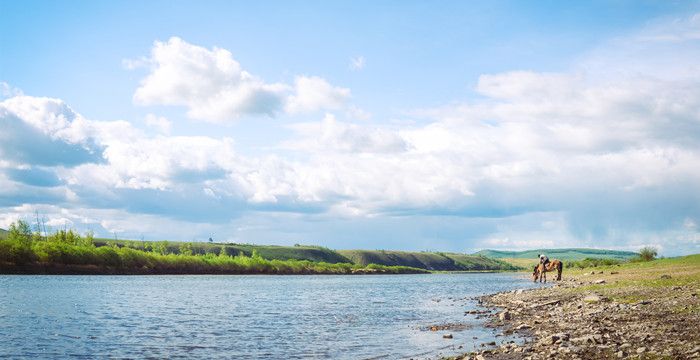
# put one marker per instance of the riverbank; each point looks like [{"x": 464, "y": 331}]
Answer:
[{"x": 632, "y": 311}]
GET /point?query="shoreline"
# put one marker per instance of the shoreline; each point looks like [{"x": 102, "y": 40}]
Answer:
[
  {"x": 633, "y": 311},
  {"x": 71, "y": 269}
]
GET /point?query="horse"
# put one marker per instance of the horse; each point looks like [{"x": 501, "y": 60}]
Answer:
[{"x": 541, "y": 269}]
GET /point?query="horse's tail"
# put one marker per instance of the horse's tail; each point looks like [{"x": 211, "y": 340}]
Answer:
[{"x": 560, "y": 267}]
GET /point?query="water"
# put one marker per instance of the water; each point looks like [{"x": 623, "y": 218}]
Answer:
[{"x": 338, "y": 317}]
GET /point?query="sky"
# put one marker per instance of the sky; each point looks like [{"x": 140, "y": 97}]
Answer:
[{"x": 408, "y": 125}]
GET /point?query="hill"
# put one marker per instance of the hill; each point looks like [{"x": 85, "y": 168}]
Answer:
[
  {"x": 561, "y": 254},
  {"x": 270, "y": 252},
  {"x": 425, "y": 260},
  {"x": 420, "y": 260},
  {"x": 3, "y": 233}
]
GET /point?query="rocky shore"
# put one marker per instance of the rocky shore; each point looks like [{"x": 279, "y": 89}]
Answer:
[{"x": 620, "y": 313}]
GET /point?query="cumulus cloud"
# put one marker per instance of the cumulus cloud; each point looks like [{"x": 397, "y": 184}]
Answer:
[
  {"x": 586, "y": 157},
  {"x": 333, "y": 135},
  {"x": 312, "y": 93},
  {"x": 44, "y": 131},
  {"x": 159, "y": 123},
  {"x": 214, "y": 87}
]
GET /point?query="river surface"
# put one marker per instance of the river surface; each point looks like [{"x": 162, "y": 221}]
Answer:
[{"x": 254, "y": 317}]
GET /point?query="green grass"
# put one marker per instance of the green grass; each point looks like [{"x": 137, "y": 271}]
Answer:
[
  {"x": 561, "y": 254},
  {"x": 426, "y": 260},
  {"x": 270, "y": 252},
  {"x": 634, "y": 281},
  {"x": 21, "y": 251}
]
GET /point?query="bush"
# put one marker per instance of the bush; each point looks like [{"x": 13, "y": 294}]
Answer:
[
  {"x": 67, "y": 247},
  {"x": 647, "y": 253},
  {"x": 591, "y": 262}
]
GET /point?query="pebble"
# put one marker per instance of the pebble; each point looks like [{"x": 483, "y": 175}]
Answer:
[{"x": 593, "y": 298}]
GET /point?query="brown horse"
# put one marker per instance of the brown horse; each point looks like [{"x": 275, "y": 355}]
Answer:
[{"x": 541, "y": 269}]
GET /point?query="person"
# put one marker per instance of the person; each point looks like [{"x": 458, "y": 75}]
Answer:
[{"x": 544, "y": 260}]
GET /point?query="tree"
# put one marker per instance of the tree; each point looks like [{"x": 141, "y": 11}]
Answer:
[
  {"x": 20, "y": 232},
  {"x": 647, "y": 253},
  {"x": 186, "y": 249},
  {"x": 20, "y": 238}
]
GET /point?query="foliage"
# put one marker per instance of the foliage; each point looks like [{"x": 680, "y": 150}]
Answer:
[
  {"x": 68, "y": 250},
  {"x": 646, "y": 253},
  {"x": 591, "y": 262},
  {"x": 426, "y": 260}
]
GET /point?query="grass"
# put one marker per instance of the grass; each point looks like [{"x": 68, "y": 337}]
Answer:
[
  {"x": 271, "y": 252},
  {"x": 426, "y": 260},
  {"x": 561, "y": 254},
  {"x": 635, "y": 281},
  {"x": 22, "y": 251}
]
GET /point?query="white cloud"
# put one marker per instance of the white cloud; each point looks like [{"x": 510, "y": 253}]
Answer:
[
  {"x": 160, "y": 123},
  {"x": 589, "y": 157},
  {"x": 333, "y": 135},
  {"x": 357, "y": 63},
  {"x": 214, "y": 87},
  {"x": 312, "y": 93},
  {"x": 7, "y": 90}
]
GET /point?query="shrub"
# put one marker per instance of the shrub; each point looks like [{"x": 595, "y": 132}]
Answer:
[{"x": 647, "y": 253}]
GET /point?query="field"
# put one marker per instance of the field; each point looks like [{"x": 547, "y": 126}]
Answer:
[{"x": 561, "y": 254}]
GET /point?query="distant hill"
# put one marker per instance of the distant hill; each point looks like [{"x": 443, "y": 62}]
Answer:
[
  {"x": 425, "y": 260},
  {"x": 270, "y": 252},
  {"x": 3, "y": 233},
  {"x": 562, "y": 254},
  {"x": 421, "y": 260}
]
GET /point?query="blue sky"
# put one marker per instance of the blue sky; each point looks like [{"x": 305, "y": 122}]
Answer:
[{"x": 395, "y": 124}]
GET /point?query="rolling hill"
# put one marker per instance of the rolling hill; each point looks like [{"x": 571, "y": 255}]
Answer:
[
  {"x": 562, "y": 254},
  {"x": 439, "y": 261},
  {"x": 425, "y": 260},
  {"x": 421, "y": 260}
]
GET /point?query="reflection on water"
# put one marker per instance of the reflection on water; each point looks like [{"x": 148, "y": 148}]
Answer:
[{"x": 339, "y": 317}]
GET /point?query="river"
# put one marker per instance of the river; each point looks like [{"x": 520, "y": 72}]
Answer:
[{"x": 244, "y": 316}]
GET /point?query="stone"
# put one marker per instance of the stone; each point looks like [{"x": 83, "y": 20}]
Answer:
[
  {"x": 620, "y": 354},
  {"x": 592, "y": 299},
  {"x": 504, "y": 316},
  {"x": 599, "y": 281},
  {"x": 480, "y": 357},
  {"x": 665, "y": 276},
  {"x": 641, "y": 350},
  {"x": 447, "y": 336}
]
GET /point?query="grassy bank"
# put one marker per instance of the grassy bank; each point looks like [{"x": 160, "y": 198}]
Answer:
[
  {"x": 66, "y": 252},
  {"x": 632, "y": 310}
]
